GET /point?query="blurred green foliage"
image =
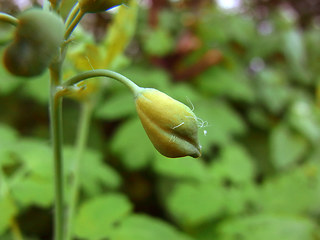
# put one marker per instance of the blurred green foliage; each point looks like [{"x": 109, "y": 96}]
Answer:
[{"x": 259, "y": 175}]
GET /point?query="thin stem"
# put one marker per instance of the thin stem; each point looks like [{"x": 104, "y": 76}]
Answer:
[
  {"x": 56, "y": 135},
  {"x": 73, "y": 24},
  {"x": 103, "y": 73},
  {"x": 82, "y": 136},
  {"x": 4, "y": 17},
  {"x": 74, "y": 11},
  {"x": 46, "y": 5},
  {"x": 56, "y": 5}
]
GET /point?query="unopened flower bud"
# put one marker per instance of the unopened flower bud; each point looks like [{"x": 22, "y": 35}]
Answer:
[
  {"x": 171, "y": 125},
  {"x": 37, "y": 41}
]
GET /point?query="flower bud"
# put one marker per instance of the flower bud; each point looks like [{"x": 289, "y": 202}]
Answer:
[
  {"x": 171, "y": 126},
  {"x": 93, "y": 6},
  {"x": 37, "y": 41}
]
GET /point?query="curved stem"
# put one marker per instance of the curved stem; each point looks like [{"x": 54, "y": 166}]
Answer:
[
  {"x": 73, "y": 24},
  {"x": 103, "y": 73},
  {"x": 55, "y": 109},
  {"x": 4, "y": 17},
  {"x": 82, "y": 136},
  {"x": 74, "y": 11}
]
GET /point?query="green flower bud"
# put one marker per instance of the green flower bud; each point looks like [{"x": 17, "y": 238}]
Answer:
[
  {"x": 21, "y": 59},
  {"x": 93, "y": 6},
  {"x": 37, "y": 41},
  {"x": 171, "y": 126}
]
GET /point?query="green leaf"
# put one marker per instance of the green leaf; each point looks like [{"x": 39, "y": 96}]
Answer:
[
  {"x": 276, "y": 194},
  {"x": 7, "y": 143},
  {"x": 8, "y": 82},
  {"x": 36, "y": 156},
  {"x": 38, "y": 88},
  {"x": 33, "y": 190},
  {"x": 286, "y": 147},
  {"x": 158, "y": 42},
  {"x": 273, "y": 89},
  {"x": 98, "y": 217},
  {"x": 219, "y": 123},
  {"x": 185, "y": 168},
  {"x": 223, "y": 82},
  {"x": 148, "y": 76},
  {"x": 303, "y": 118},
  {"x": 118, "y": 106},
  {"x": 192, "y": 205},
  {"x": 8, "y": 211},
  {"x": 94, "y": 173},
  {"x": 143, "y": 227},
  {"x": 266, "y": 227},
  {"x": 132, "y": 144},
  {"x": 234, "y": 164}
]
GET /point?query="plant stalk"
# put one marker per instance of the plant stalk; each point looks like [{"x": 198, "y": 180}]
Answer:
[
  {"x": 73, "y": 24},
  {"x": 55, "y": 109},
  {"x": 82, "y": 136}
]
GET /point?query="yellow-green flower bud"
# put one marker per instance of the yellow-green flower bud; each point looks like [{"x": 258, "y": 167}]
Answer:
[
  {"x": 171, "y": 125},
  {"x": 93, "y": 6}
]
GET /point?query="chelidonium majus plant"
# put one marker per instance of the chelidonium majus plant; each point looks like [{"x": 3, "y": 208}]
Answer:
[{"x": 40, "y": 42}]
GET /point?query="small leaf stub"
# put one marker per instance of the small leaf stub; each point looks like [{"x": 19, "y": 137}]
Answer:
[{"x": 170, "y": 125}]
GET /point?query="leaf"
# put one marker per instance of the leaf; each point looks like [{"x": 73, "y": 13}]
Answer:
[
  {"x": 266, "y": 227},
  {"x": 118, "y": 106},
  {"x": 158, "y": 42},
  {"x": 218, "y": 123},
  {"x": 219, "y": 81},
  {"x": 27, "y": 192},
  {"x": 120, "y": 32},
  {"x": 147, "y": 76},
  {"x": 193, "y": 205},
  {"x": 98, "y": 217},
  {"x": 143, "y": 227},
  {"x": 7, "y": 143},
  {"x": 131, "y": 143},
  {"x": 8, "y": 211},
  {"x": 273, "y": 89},
  {"x": 294, "y": 51},
  {"x": 38, "y": 88},
  {"x": 94, "y": 173},
  {"x": 234, "y": 164},
  {"x": 286, "y": 147},
  {"x": 276, "y": 194},
  {"x": 181, "y": 168},
  {"x": 36, "y": 156},
  {"x": 8, "y": 82},
  {"x": 303, "y": 118}
]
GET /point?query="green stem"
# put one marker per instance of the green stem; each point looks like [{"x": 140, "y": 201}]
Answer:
[
  {"x": 75, "y": 10},
  {"x": 4, "y": 17},
  {"x": 56, "y": 135},
  {"x": 73, "y": 24},
  {"x": 82, "y": 136},
  {"x": 46, "y": 5},
  {"x": 103, "y": 73},
  {"x": 56, "y": 5}
]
